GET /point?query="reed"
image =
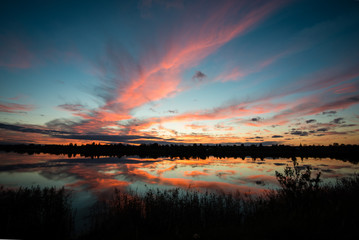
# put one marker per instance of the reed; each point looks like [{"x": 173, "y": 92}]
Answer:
[{"x": 35, "y": 213}]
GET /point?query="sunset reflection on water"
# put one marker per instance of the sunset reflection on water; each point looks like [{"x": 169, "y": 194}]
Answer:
[{"x": 96, "y": 176}]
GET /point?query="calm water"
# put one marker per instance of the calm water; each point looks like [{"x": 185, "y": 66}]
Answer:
[{"x": 91, "y": 179}]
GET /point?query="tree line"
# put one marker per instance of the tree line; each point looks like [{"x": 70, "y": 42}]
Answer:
[{"x": 202, "y": 151}]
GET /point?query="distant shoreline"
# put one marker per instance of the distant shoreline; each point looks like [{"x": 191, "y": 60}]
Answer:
[{"x": 342, "y": 152}]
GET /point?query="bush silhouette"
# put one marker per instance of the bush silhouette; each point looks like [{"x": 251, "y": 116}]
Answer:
[{"x": 294, "y": 181}]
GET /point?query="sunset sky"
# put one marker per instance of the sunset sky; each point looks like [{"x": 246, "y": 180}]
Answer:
[{"x": 270, "y": 72}]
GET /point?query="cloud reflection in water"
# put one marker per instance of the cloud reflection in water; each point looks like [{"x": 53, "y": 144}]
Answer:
[{"x": 101, "y": 175}]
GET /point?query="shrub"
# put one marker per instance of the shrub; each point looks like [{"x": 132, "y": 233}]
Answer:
[{"x": 294, "y": 181}]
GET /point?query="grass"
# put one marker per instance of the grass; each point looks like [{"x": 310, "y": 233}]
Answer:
[
  {"x": 174, "y": 214},
  {"x": 35, "y": 213},
  {"x": 302, "y": 209}
]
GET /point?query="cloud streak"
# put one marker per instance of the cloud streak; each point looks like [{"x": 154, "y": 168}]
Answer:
[
  {"x": 88, "y": 137},
  {"x": 15, "y": 107}
]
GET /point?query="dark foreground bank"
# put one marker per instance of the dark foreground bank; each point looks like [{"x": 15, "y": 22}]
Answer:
[
  {"x": 35, "y": 213},
  {"x": 301, "y": 209}
]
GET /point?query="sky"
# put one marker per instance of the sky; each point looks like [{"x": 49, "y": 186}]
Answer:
[{"x": 211, "y": 72}]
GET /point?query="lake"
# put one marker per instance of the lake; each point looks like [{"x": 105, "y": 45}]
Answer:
[{"x": 92, "y": 179}]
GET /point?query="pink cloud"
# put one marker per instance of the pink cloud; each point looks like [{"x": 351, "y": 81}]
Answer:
[
  {"x": 309, "y": 106},
  {"x": 314, "y": 104},
  {"x": 327, "y": 78},
  {"x": 232, "y": 75},
  {"x": 346, "y": 88},
  {"x": 15, "y": 108},
  {"x": 237, "y": 73}
]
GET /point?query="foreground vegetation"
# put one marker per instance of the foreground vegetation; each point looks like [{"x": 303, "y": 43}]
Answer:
[
  {"x": 301, "y": 209},
  {"x": 35, "y": 213}
]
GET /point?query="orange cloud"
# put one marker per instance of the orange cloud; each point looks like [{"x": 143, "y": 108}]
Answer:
[
  {"x": 161, "y": 171},
  {"x": 194, "y": 173},
  {"x": 195, "y": 126}
]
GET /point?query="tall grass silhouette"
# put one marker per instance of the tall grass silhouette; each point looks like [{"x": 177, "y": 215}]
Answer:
[
  {"x": 174, "y": 214},
  {"x": 35, "y": 213}
]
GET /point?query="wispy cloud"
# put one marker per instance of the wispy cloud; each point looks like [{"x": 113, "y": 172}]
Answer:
[
  {"x": 89, "y": 137},
  {"x": 72, "y": 107},
  {"x": 15, "y": 107}
]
